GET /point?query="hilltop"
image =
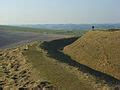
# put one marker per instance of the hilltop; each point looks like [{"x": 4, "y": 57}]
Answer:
[{"x": 99, "y": 50}]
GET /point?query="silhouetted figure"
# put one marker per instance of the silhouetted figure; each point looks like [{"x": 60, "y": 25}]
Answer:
[{"x": 93, "y": 27}]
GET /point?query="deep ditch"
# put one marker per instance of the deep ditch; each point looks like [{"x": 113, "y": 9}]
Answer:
[{"x": 54, "y": 49}]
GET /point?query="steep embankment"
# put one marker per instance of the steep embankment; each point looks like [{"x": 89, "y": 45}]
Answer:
[{"x": 99, "y": 50}]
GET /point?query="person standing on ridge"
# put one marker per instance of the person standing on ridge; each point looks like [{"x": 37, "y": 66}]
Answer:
[{"x": 93, "y": 27}]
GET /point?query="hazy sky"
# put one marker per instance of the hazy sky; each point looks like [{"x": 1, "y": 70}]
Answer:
[{"x": 59, "y": 11}]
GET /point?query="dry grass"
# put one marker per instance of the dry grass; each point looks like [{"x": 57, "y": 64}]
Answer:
[{"x": 99, "y": 50}]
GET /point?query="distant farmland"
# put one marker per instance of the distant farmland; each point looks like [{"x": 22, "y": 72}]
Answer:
[{"x": 10, "y": 35}]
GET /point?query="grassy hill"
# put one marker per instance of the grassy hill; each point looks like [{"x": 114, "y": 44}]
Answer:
[
  {"x": 99, "y": 50},
  {"x": 38, "y": 63},
  {"x": 89, "y": 63}
]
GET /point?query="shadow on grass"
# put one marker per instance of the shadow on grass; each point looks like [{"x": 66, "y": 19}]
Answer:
[{"x": 53, "y": 48}]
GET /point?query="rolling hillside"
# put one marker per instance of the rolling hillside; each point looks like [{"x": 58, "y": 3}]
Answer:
[
  {"x": 45, "y": 65},
  {"x": 99, "y": 50}
]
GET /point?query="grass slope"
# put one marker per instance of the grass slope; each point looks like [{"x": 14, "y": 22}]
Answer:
[{"x": 99, "y": 50}]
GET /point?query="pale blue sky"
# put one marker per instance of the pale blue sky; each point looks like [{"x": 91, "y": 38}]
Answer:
[{"x": 59, "y": 11}]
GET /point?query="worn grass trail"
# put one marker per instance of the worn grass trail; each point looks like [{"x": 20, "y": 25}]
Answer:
[{"x": 53, "y": 71}]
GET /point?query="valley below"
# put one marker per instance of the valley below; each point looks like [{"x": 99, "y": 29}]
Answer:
[{"x": 12, "y": 38}]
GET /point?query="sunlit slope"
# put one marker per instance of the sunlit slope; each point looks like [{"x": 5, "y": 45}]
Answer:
[{"x": 99, "y": 50}]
